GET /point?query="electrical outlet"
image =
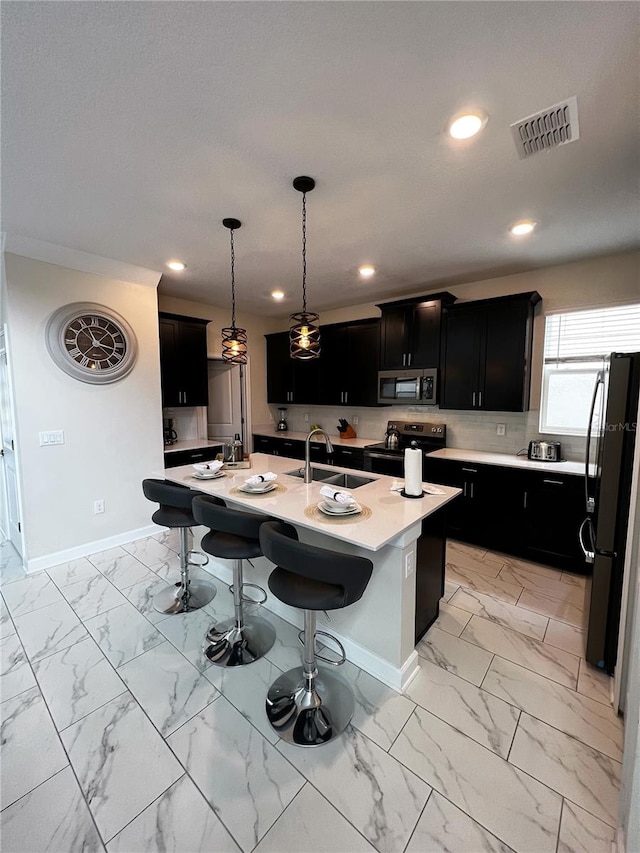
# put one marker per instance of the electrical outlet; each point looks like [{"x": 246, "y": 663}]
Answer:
[
  {"x": 98, "y": 507},
  {"x": 409, "y": 564},
  {"x": 355, "y": 420},
  {"x": 306, "y": 417},
  {"x": 501, "y": 429}
]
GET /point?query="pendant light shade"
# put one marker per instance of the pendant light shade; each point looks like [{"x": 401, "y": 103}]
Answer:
[
  {"x": 234, "y": 339},
  {"x": 304, "y": 334}
]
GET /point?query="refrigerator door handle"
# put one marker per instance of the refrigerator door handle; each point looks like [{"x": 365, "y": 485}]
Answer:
[
  {"x": 589, "y": 556},
  {"x": 589, "y": 501}
]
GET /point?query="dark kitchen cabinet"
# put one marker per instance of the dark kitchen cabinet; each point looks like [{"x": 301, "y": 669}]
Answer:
[
  {"x": 348, "y": 364},
  {"x": 552, "y": 511},
  {"x": 527, "y": 513},
  {"x": 186, "y": 457},
  {"x": 348, "y": 457},
  {"x": 410, "y": 332},
  {"x": 183, "y": 361},
  {"x": 289, "y": 380},
  {"x": 486, "y": 354}
]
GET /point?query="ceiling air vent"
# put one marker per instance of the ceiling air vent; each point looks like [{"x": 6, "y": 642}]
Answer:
[{"x": 547, "y": 129}]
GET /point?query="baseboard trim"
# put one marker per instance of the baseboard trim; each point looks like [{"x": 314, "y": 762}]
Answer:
[
  {"x": 39, "y": 564},
  {"x": 397, "y": 678}
]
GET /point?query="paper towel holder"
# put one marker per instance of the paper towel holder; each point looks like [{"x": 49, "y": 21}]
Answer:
[{"x": 414, "y": 445}]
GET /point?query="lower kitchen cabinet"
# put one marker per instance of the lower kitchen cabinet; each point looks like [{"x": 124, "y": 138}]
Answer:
[
  {"x": 185, "y": 457},
  {"x": 348, "y": 457},
  {"x": 530, "y": 514}
]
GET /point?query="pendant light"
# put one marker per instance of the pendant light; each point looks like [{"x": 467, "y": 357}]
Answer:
[
  {"x": 304, "y": 335},
  {"x": 234, "y": 340}
]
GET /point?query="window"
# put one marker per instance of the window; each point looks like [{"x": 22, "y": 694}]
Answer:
[{"x": 575, "y": 346}]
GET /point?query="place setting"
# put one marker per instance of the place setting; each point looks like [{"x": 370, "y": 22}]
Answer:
[
  {"x": 337, "y": 505},
  {"x": 259, "y": 484},
  {"x": 208, "y": 470}
]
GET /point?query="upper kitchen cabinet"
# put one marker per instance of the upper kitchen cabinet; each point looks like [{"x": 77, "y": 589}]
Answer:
[
  {"x": 348, "y": 364},
  {"x": 486, "y": 354},
  {"x": 183, "y": 361},
  {"x": 410, "y": 331},
  {"x": 288, "y": 379}
]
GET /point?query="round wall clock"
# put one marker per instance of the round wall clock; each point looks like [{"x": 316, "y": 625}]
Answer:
[{"x": 91, "y": 343}]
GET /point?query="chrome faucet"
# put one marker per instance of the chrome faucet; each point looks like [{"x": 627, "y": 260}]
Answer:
[{"x": 307, "y": 452}]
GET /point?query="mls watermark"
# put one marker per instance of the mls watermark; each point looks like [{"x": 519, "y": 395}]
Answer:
[{"x": 627, "y": 426}]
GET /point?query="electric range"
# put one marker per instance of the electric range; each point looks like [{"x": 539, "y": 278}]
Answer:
[{"x": 428, "y": 436}]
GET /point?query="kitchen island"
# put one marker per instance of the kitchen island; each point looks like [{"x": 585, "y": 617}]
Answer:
[{"x": 403, "y": 538}]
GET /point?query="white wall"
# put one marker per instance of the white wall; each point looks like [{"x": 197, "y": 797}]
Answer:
[
  {"x": 113, "y": 433},
  {"x": 609, "y": 280}
]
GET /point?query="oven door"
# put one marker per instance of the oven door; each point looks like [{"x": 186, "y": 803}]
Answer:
[
  {"x": 384, "y": 463},
  {"x": 399, "y": 386}
]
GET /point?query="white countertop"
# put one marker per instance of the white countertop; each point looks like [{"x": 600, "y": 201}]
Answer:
[
  {"x": 191, "y": 444},
  {"x": 391, "y": 514},
  {"x": 270, "y": 431},
  {"x": 482, "y": 457}
]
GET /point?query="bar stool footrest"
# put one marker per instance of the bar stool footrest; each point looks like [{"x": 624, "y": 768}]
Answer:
[
  {"x": 341, "y": 653},
  {"x": 247, "y": 598}
]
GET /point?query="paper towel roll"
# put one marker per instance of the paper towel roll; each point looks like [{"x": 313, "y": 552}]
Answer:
[{"x": 413, "y": 471}]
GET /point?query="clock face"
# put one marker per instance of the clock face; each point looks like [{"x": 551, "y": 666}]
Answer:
[
  {"x": 91, "y": 343},
  {"x": 95, "y": 342}
]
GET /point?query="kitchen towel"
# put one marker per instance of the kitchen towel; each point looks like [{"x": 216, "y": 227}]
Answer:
[
  {"x": 260, "y": 478},
  {"x": 211, "y": 467},
  {"x": 413, "y": 471},
  {"x": 342, "y": 498}
]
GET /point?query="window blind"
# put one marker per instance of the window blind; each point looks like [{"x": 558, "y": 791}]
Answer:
[{"x": 583, "y": 336}]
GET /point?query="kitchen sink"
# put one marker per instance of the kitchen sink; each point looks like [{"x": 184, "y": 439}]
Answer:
[{"x": 324, "y": 475}]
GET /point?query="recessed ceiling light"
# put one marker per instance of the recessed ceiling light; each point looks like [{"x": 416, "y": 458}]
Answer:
[
  {"x": 277, "y": 294},
  {"x": 176, "y": 266},
  {"x": 366, "y": 270},
  {"x": 467, "y": 125},
  {"x": 526, "y": 226}
]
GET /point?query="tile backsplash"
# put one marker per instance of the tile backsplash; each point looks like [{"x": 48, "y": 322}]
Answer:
[{"x": 468, "y": 430}]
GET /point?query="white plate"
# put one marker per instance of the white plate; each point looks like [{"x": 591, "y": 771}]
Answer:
[
  {"x": 252, "y": 490},
  {"x": 327, "y": 508},
  {"x": 213, "y": 475}
]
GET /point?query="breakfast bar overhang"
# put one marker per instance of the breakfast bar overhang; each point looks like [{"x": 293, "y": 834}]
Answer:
[{"x": 404, "y": 539}]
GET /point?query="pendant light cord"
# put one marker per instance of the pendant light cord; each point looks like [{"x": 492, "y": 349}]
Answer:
[
  {"x": 233, "y": 283},
  {"x": 304, "y": 252}
]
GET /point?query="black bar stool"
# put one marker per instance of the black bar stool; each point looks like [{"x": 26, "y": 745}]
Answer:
[
  {"x": 233, "y": 535},
  {"x": 175, "y": 511},
  {"x": 304, "y": 706}
]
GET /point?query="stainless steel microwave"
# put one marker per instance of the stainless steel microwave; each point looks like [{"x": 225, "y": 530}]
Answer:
[{"x": 408, "y": 387}]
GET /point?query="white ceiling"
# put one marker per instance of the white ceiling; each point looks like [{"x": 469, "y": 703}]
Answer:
[{"x": 130, "y": 129}]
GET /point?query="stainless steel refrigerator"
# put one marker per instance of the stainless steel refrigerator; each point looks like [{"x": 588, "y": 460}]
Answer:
[{"x": 611, "y": 439}]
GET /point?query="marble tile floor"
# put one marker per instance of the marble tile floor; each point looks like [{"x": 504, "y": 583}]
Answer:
[{"x": 118, "y": 736}]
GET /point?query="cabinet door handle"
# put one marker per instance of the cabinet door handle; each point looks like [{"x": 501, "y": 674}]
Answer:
[
  {"x": 554, "y": 482},
  {"x": 471, "y": 490},
  {"x": 197, "y": 455},
  {"x": 409, "y": 359},
  {"x": 470, "y": 470},
  {"x": 474, "y": 399},
  {"x": 464, "y": 489},
  {"x": 479, "y": 399},
  {"x": 346, "y": 396},
  {"x": 346, "y": 452},
  {"x": 525, "y": 500},
  {"x": 404, "y": 359}
]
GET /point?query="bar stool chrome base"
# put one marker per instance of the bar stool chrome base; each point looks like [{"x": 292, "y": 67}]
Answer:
[
  {"x": 230, "y": 644},
  {"x": 184, "y": 599},
  {"x": 309, "y": 712},
  {"x": 186, "y": 595}
]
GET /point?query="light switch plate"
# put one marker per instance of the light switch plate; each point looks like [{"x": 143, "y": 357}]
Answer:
[
  {"x": 501, "y": 429},
  {"x": 49, "y": 437}
]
